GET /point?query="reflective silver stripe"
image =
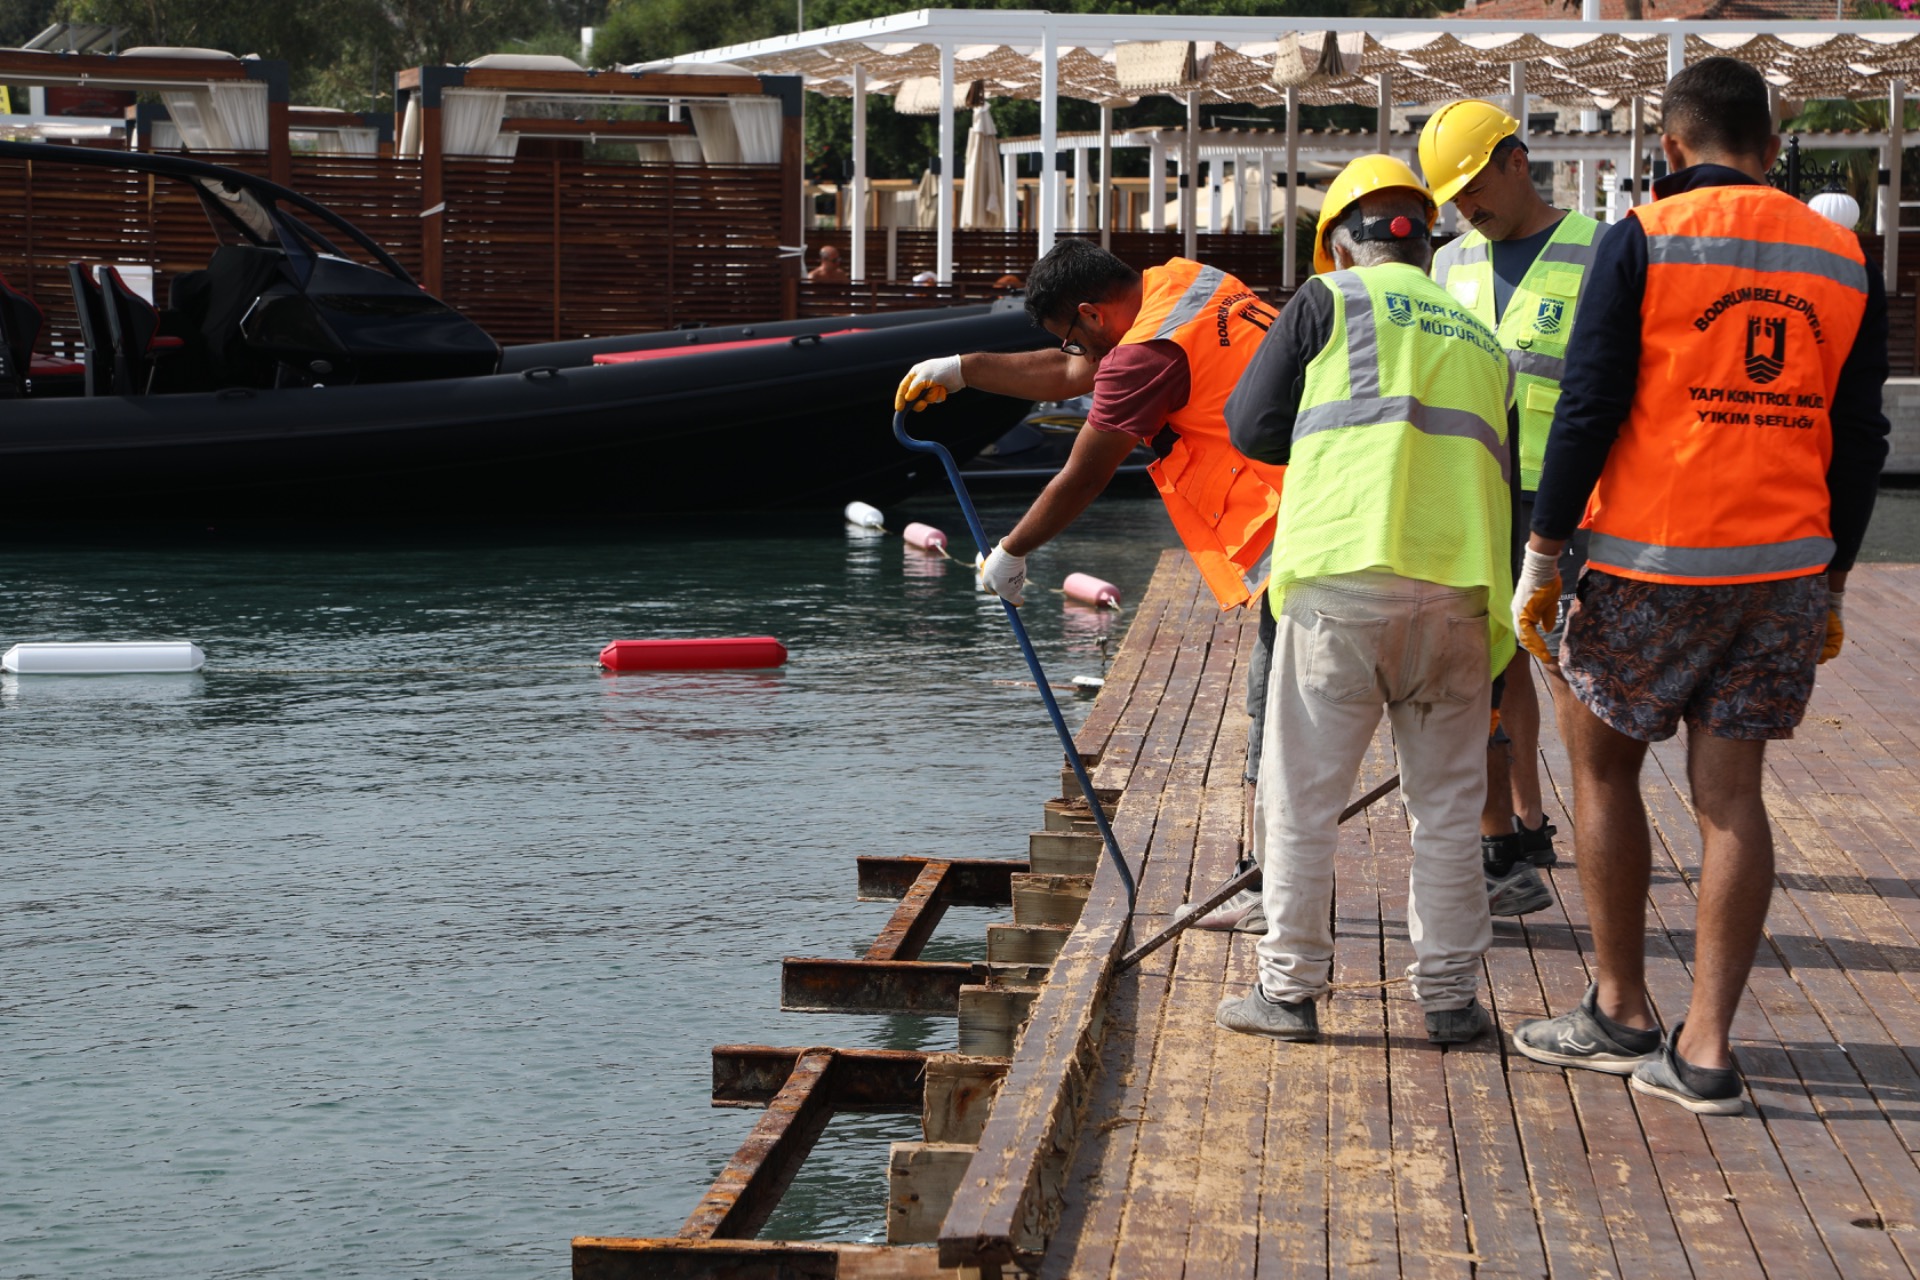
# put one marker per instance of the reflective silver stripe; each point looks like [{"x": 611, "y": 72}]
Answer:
[
  {"x": 1429, "y": 419},
  {"x": 1363, "y": 338},
  {"x": 1204, "y": 286},
  {"x": 1756, "y": 255},
  {"x": 1538, "y": 364},
  {"x": 1567, "y": 251},
  {"x": 1458, "y": 253},
  {"x": 1802, "y": 555}
]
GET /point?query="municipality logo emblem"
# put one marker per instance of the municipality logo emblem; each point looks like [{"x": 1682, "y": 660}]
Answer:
[
  {"x": 1551, "y": 312},
  {"x": 1766, "y": 347},
  {"x": 1400, "y": 309}
]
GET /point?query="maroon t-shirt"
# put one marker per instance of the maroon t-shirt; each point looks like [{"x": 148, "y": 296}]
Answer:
[{"x": 1138, "y": 386}]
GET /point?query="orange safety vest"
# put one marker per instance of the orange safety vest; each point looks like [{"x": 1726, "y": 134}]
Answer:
[
  {"x": 1222, "y": 503},
  {"x": 1719, "y": 474}
]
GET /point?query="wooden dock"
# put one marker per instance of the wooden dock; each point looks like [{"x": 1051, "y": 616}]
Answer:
[{"x": 1128, "y": 1136}]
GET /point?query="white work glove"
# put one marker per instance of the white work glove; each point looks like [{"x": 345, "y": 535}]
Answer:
[
  {"x": 1005, "y": 574},
  {"x": 929, "y": 382},
  {"x": 1536, "y": 603}
]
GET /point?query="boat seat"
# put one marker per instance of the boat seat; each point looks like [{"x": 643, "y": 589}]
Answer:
[
  {"x": 138, "y": 344},
  {"x": 96, "y": 339}
]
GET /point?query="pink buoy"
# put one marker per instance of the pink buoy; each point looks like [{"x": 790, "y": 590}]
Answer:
[
  {"x": 925, "y": 537},
  {"x": 1088, "y": 589},
  {"x": 731, "y": 652}
]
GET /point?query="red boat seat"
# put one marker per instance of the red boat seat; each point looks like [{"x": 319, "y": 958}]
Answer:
[
  {"x": 696, "y": 348},
  {"x": 138, "y": 343}
]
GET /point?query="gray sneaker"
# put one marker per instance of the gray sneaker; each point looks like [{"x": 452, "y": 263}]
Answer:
[
  {"x": 1457, "y": 1026},
  {"x": 1518, "y": 891},
  {"x": 1706, "y": 1091},
  {"x": 1254, "y": 922},
  {"x": 1256, "y": 1015},
  {"x": 1229, "y": 914},
  {"x": 1587, "y": 1038}
]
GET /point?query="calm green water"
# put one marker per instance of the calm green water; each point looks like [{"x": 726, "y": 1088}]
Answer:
[{"x": 394, "y": 944}]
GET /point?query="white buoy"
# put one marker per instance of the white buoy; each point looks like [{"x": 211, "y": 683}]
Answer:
[
  {"x": 862, "y": 516},
  {"x": 104, "y": 658},
  {"x": 1088, "y": 589},
  {"x": 925, "y": 537}
]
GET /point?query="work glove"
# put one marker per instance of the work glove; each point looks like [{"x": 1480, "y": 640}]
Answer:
[
  {"x": 1836, "y": 629},
  {"x": 929, "y": 382},
  {"x": 1005, "y": 574},
  {"x": 1536, "y": 603}
]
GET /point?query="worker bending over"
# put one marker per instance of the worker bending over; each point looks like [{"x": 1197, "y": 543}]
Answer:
[
  {"x": 1388, "y": 404},
  {"x": 1519, "y": 271},
  {"x": 1160, "y": 352},
  {"x": 1719, "y": 425}
]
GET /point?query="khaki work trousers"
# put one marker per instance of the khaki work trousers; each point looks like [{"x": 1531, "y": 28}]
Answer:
[{"x": 1348, "y": 647}]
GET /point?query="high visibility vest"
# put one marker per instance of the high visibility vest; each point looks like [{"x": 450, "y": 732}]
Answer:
[
  {"x": 1719, "y": 474},
  {"x": 1221, "y": 502},
  {"x": 1400, "y": 457},
  {"x": 1536, "y": 324}
]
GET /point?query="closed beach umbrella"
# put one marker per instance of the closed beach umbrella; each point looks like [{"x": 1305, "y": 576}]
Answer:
[
  {"x": 981, "y": 207},
  {"x": 926, "y": 206}
]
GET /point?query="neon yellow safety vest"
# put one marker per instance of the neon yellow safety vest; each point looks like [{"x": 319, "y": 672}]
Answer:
[
  {"x": 1400, "y": 458},
  {"x": 1536, "y": 324}
]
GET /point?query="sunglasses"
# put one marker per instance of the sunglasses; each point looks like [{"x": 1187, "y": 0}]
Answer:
[{"x": 1068, "y": 344}]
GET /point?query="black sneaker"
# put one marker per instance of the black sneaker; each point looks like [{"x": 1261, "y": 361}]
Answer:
[
  {"x": 1514, "y": 888},
  {"x": 1585, "y": 1037},
  {"x": 1536, "y": 843},
  {"x": 1707, "y": 1091}
]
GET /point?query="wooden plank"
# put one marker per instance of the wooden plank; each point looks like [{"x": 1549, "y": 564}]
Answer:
[
  {"x": 991, "y": 1018},
  {"x": 959, "y": 1093},
  {"x": 1025, "y": 943},
  {"x": 1049, "y": 899},
  {"x": 749, "y": 1188},
  {"x": 819, "y": 985},
  {"x": 1063, "y": 852},
  {"x": 922, "y": 1178}
]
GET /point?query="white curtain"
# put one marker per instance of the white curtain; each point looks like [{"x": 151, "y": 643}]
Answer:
[
  {"x": 713, "y": 125},
  {"x": 220, "y": 117},
  {"x": 470, "y": 124},
  {"x": 410, "y": 128},
  {"x": 684, "y": 150},
  {"x": 756, "y": 122},
  {"x": 653, "y": 152},
  {"x": 351, "y": 142}
]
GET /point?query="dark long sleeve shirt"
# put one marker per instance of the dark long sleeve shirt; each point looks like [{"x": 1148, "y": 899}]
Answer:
[{"x": 1602, "y": 372}]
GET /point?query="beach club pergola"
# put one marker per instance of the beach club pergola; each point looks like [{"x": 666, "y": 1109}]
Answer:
[{"x": 1116, "y": 59}]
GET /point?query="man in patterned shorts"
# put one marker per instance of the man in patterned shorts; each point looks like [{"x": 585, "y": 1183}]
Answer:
[{"x": 1720, "y": 423}]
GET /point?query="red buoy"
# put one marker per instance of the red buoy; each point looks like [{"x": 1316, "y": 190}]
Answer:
[{"x": 730, "y": 652}]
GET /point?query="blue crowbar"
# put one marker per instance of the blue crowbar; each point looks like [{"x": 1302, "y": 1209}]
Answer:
[{"x": 939, "y": 450}]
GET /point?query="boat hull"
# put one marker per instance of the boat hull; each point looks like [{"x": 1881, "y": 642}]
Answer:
[{"x": 803, "y": 422}]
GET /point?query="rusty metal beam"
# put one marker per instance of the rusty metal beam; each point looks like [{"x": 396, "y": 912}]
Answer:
[
  {"x": 917, "y": 916},
  {"x": 811, "y": 985},
  {"x": 613, "y": 1258},
  {"x": 748, "y": 1190},
  {"x": 751, "y": 1075},
  {"x": 971, "y": 882}
]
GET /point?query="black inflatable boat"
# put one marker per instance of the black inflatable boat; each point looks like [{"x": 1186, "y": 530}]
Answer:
[{"x": 290, "y": 381}]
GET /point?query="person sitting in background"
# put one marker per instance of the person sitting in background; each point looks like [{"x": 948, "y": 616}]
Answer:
[{"x": 829, "y": 271}]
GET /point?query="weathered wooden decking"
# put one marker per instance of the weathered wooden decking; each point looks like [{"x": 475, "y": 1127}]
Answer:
[{"x": 1207, "y": 1154}]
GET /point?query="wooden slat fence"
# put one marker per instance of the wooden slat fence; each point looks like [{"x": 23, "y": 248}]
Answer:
[{"x": 535, "y": 249}]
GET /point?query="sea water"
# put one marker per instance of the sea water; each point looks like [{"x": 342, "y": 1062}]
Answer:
[{"x": 395, "y": 942}]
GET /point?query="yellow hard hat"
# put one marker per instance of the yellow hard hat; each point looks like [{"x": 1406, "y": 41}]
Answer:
[
  {"x": 1457, "y": 142},
  {"x": 1362, "y": 177}
]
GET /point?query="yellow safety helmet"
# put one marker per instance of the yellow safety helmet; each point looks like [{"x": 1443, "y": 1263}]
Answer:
[
  {"x": 1458, "y": 140},
  {"x": 1361, "y": 177}
]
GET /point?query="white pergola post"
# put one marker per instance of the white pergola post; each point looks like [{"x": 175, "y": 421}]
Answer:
[
  {"x": 1082, "y": 187},
  {"x": 1156, "y": 183},
  {"x": 943, "y": 225},
  {"x": 1517, "y": 81},
  {"x": 1240, "y": 169},
  {"x": 1290, "y": 208},
  {"x": 1265, "y": 205},
  {"x": 1676, "y": 54},
  {"x": 1189, "y": 177},
  {"x": 1105, "y": 210},
  {"x": 1049, "y": 136},
  {"x": 1214, "y": 184},
  {"x": 1896, "y": 146},
  {"x": 857, "y": 251},
  {"x": 1009, "y": 191},
  {"x": 1384, "y": 120},
  {"x": 1589, "y": 184},
  {"x": 1637, "y": 123}
]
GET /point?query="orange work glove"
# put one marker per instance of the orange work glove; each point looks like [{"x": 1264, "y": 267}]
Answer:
[
  {"x": 1836, "y": 630},
  {"x": 1536, "y": 603}
]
